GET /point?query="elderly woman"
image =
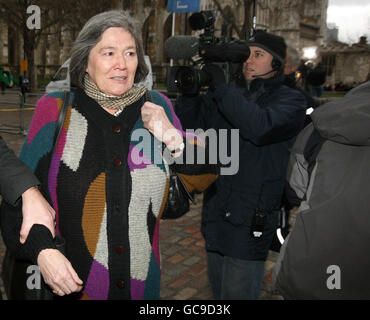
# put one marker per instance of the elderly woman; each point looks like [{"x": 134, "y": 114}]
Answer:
[{"x": 107, "y": 187}]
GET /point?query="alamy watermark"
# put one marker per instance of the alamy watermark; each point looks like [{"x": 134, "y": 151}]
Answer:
[
  {"x": 222, "y": 148},
  {"x": 34, "y": 20},
  {"x": 334, "y": 281},
  {"x": 34, "y": 280}
]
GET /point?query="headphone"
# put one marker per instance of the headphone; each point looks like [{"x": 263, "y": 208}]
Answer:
[{"x": 276, "y": 64}]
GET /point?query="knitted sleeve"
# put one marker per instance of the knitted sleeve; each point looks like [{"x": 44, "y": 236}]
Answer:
[
  {"x": 196, "y": 171},
  {"x": 39, "y": 140}
]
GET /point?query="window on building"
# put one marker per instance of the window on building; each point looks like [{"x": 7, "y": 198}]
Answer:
[{"x": 328, "y": 63}]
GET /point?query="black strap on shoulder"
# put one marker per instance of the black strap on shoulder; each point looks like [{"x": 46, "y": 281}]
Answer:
[
  {"x": 148, "y": 96},
  {"x": 61, "y": 118}
]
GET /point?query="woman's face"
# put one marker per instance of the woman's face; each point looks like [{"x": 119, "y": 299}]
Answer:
[
  {"x": 113, "y": 62},
  {"x": 258, "y": 65}
]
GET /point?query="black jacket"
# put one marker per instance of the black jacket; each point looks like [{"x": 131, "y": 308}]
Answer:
[
  {"x": 268, "y": 116},
  {"x": 316, "y": 77},
  {"x": 15, "y": 176}
]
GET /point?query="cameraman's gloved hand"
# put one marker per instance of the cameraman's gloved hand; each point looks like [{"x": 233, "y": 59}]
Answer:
[{"x": 215, "y": 74}]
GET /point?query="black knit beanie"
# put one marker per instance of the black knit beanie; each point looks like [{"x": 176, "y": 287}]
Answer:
[{"x": 271, "y": 43}]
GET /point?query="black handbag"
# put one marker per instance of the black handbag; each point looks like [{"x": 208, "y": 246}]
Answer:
[
  {"x": 17, "y": 273},
  {"x": 178, "y": 196}
]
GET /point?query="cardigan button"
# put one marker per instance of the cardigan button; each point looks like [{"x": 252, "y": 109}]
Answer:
[
  {"x": 117, "y": 162},
  {"x": 119, "y": 249},
  {"x": 120, "y": 284},
  {"x": 116, "y": 128}
]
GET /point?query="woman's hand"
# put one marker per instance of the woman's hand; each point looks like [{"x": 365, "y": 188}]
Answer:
[
  {"x": 58, "y": 272},
  {"x": 156, "y": 122}
]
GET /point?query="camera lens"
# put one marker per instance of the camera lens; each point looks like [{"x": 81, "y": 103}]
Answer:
[
  {"x": 185, "y": 79},
  {"x": 201, "y": 20},
  {"x": 197, "y": 21}
]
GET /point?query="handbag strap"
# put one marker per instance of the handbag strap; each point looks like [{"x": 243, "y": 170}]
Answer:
[
  {"x": 148, "y": 95},
  {"x": 58, "y": 130},
  {"x": 61, "y": 118}
]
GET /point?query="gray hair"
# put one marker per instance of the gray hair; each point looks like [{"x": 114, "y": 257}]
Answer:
[
  {"x": 293, "y": 56},
  {"x": 91, "y": 34}
]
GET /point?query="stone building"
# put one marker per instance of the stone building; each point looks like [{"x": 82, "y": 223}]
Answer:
[
  {"x": 302, "y": 23},
  {"x": 349, "y": 64}
]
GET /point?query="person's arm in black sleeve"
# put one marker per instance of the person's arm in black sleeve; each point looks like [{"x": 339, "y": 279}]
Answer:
[
  {"x": 15, "y": 176},
  {"x": 17, "y": 181},
  {"x": 282, "y": 119},
  {"x": 38, "y": 238},
  {"x": 195, "y": 111}
]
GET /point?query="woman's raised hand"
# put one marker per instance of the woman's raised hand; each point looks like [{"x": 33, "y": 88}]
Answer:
[{"x": 157, "y": 123}]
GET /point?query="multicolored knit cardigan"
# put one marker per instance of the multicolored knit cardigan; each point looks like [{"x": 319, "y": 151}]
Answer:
[{"x": 108, "y": 205}]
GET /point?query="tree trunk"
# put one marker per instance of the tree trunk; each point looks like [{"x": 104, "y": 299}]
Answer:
[
  {"x": 230, "y": 19},
  {"x": 247, "y": 19},
  {"x": 29, "y": 52}
]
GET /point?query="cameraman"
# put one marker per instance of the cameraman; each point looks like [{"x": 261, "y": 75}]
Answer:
[{"x": 240, "y": 211}]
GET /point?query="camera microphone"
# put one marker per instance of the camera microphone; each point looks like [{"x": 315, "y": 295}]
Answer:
[
  {"x": 186, "y": 47},
  {"x": 182, "y": 47},
  {"x": 233, "y": 51}
]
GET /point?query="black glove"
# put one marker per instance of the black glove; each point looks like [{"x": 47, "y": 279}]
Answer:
[{"x": 215, "y": 74}]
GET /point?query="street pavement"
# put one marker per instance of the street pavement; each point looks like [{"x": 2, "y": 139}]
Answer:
[{"x": 184, "y": 268}]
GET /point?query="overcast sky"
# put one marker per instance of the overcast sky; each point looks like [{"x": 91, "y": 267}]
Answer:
[{"x": 352, "y": 17}]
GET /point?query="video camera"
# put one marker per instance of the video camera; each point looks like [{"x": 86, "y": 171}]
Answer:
[{"x": 225, "y": 54}]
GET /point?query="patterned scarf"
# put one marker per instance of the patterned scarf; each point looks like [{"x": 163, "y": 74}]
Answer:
[{"x": 113, "y": 102}]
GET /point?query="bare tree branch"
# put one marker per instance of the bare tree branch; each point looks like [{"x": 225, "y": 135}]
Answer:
[
  {"x": 228, "y": 18},
  {"x": 65, "y": 15}
]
